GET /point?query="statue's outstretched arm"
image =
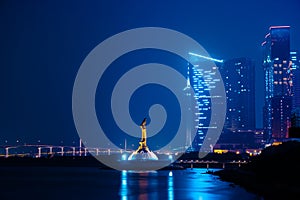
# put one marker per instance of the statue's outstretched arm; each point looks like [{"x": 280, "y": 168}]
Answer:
[{"x": 143, "y": 122}]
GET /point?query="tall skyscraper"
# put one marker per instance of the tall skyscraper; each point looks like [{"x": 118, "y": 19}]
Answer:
[
  {"x": 296, "y": 79},
  {"x": 278, "y": 83},
  {"x": 239, "y": 78},
  {"x": 202, "y": 81}
]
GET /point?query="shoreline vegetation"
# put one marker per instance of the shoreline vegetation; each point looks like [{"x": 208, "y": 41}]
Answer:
[{"x": 274, "y": 174}]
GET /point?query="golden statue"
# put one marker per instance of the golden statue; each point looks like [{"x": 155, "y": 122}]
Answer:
[
  {"x": 143, "y": 143},
  {"x": 143, "y": 152}
]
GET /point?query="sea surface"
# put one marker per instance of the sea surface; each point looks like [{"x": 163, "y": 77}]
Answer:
[{"x": 92, "y": 183}]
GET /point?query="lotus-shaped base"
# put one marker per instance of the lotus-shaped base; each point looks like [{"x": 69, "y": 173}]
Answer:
[{"x": 143, "y": 155}]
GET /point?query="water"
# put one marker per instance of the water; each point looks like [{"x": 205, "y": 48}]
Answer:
[{"x": 91, "y": 183}]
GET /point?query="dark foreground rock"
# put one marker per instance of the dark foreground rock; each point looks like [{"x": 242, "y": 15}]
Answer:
[{"x": 275, "y": 174}]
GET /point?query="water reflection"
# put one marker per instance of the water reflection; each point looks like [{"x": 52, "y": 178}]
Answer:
[
  {"x": 123, "y": 190},
  {"x": 139, "y": 185},
  {"x": 178, "y": 184},
  {"x": 170, "y": 186},
  {"x": 111, "y": 184}
]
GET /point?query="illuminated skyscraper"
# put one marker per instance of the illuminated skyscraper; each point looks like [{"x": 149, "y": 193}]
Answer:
[
  {"x": 202, "y": 81},
  {"x": 278, "y": 82},
  {"x": 239, "y": 78},
  {"x": 294, "y": 130},
  {"x": 296, "y": 79}
]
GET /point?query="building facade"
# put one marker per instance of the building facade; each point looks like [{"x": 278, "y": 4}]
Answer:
[
  {"x": 202, "y": 81},
  {"x": 294, "y": 55},
  {"x": 239, "y": 79},
  {"x": 278, "y": 83}
]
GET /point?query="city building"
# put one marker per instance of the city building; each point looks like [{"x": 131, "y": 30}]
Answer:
[
  {"x": 238, "y": 75},
  {"x": 239, "y": 131},
  {"x": 240, "y": 141},
  {"x": 278, "y": 83},
  {"x": 201, "y": 80},
  {"x": 294, "y": 130},
  {"x": 294, "y": 55}
]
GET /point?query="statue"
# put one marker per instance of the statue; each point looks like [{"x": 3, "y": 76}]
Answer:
[
  {"x": 143, "y": 152},
  {"x": 143, "y": 143}
]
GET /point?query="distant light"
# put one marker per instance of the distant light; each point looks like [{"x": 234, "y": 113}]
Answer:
[
  {"x": 124, "y": 157},
  {"x": 170, "y": 173},
  {"x": 170, "y": 157},
  {"x": 205, "y": 57}
]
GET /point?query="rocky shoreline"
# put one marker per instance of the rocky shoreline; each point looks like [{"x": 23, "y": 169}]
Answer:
[{"x": 274, "y": 174}]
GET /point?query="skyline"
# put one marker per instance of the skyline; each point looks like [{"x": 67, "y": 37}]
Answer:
[{"x": 44, "y": 44}]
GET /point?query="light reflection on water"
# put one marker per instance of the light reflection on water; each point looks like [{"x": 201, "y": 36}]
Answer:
[
  {"x": 178, "y": 184},
  {"x": 92, "y": 183},
  {"x": 170, "y": 186},
  {"x": 143, "y": 185}
]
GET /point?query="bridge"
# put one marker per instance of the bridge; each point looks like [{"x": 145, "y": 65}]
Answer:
[
  {"x": 211, "y": 163},
  {"x": 45, "y": 150},
  {"x": 40, "y": 150}
]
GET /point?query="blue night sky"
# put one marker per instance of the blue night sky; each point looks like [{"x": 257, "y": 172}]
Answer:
[{"x": 43, "y": 44}]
